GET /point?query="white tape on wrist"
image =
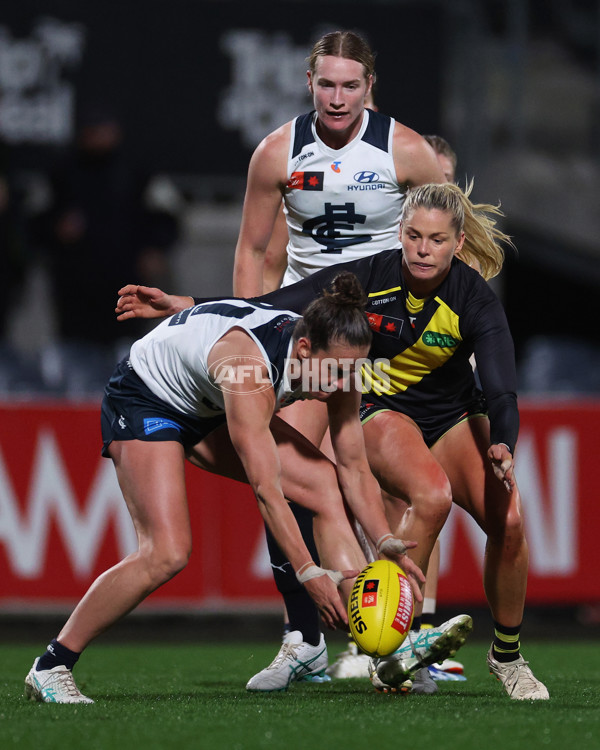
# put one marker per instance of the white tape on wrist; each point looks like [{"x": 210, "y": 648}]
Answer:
[
  {"x": 381, "y": 540},
  {"x": 309, "y": 571},
  {"x": 389, "y": 545}
]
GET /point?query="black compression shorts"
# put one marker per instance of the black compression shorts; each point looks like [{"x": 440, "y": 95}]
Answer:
[
  {"x": 130, "y": 411},
  {"x": 431, "y": 434}
]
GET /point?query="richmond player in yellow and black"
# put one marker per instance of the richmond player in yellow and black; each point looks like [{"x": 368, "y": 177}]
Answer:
[
  {"x": 432, "y": 436},
  {"x": 428, "y": 342}
]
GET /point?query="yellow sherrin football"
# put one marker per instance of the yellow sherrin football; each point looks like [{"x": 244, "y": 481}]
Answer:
[{"x": 380, "y": 608}]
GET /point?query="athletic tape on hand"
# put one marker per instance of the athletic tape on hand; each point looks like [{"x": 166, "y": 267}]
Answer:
[
  {"x": 313, "y": 571},
  {"x": 392, "y": 546}
]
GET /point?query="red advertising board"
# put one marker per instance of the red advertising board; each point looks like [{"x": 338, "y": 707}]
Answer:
[
  {"x": 558, "y": 473},
  {"x": 63, "y": 520}
]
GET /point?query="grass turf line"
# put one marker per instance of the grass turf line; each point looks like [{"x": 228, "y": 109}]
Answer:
[{"x": 193, "y": 696}]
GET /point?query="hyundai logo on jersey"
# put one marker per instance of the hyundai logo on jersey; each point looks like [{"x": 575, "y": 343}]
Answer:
[{"x": 366, "y": 176}]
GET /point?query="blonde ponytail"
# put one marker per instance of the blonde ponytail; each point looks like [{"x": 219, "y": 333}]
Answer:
[{"x": 483, "y": 247}]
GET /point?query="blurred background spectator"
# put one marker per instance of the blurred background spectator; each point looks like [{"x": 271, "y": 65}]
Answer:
[
  {"x": 512, "y": 84},
  {"x": 13, "y": 240},
  {"x": 99, "y": 229}
]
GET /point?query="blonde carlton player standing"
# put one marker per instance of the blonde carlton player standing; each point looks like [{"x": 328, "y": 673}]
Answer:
[{"x": 342, "y": 172}]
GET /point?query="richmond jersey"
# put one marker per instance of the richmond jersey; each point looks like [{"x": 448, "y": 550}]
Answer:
[
  {"x": 172, "y": 358},
  {"x": 340, "y": 204},
  {"x": 428, "y": 343}
]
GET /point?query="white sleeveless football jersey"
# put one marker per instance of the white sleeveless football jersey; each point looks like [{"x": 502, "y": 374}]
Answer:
[
  {"x": 340, "y": 204},
  {"x": 172, "y": 358}
]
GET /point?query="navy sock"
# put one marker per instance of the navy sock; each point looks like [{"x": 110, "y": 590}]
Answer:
[
  {"x": 304, "y": 616},
  {"x": 426, "y": 620},
  {"x": 506, "y": 643},
  {"x": 57, "y": 654},
  {"x": 416, "y": 623},
  {"x": 302, "y": 612}
]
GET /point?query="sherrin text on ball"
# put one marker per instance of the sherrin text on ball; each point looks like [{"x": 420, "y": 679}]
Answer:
[{"x": 380, "y": 608}]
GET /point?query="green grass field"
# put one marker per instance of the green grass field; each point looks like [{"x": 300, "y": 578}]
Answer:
[{"x": 193, "y": 696}]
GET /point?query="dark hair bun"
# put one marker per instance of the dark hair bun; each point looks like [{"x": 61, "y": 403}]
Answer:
[
  {"x": 347, "y": 291},
  {"x": 337, "y": 316}
]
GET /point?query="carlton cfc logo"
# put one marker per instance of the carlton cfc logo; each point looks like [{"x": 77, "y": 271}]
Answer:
[{"x": 366, "y": 176}]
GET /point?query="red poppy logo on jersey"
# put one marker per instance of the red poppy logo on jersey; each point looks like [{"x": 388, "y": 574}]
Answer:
[
  {"x": 369, "y": 593},
  {"x": 384, "y": 324},
  {"x": 306, "y": 181}
]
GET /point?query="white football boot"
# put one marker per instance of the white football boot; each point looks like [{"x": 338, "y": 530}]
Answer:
[
  {"x": 349, "y": 663},
  {"x": 447, "y": 670},
  {"x": 518, "y": 679},
  {"x": 400, "y": 687},
  {"x": 53, "y": 686},
  {"x": 295, "y": 661},
  {"x": 419, "y": 650}
]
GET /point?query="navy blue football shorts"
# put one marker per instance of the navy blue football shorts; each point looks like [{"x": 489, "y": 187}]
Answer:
[
  {"x": 130, "y": 411},
  {"x": 432, "y": 430}
]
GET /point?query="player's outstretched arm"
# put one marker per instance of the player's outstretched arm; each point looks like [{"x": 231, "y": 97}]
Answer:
[
  {"x": 249, "y": 409},
  {"x": 136, "y": 301},
  {"x": 360, "y": 488}
]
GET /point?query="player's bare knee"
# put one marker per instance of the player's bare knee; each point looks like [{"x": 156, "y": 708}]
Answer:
[
  {"x": 165, "y": 563},
  {"x": 322, "y": 479},
  {"x": 323, "y": 496},
  {"x": 514, "y": 528},
  {"x": 433, "y": 504},
  {"x": 508, "y": 531}
]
